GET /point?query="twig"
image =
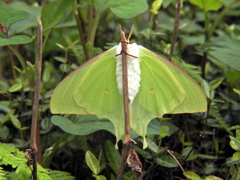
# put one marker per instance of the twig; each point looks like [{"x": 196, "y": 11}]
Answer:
[
  {"x": 129, "y": 154},
  {"x": 126, "y": 145},
  {"x": 33, "y": 144},
  {"x": 176, "y": 160},
  {"x": 125, "y": 88},
  {"x": 176, "y": 26}
]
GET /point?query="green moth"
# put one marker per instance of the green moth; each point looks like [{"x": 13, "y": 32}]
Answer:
[{"x": 156, "y": 87}]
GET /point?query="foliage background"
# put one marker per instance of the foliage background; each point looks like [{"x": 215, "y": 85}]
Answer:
[{"x": 206, "y": 144}]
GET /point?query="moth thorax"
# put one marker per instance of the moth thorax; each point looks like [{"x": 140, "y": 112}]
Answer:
[{"x": 133, "y": 70}]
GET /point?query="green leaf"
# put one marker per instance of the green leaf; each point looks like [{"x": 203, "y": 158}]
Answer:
[
  {"x": 212, "y": 178},
  {"x": 4, "y": 132},
  {"x": 236, "y": 91},
  {"x": 166, "y": 161},
  {"x": 191, "y": 175},
  {"x": 92, "y": 162},
  {"x": 152, "y": 145},
  {"x": 25, "y": 25},
  {"x": 16, "y": 87},
  {"x": 14, "y": 120},
  {"x": 208, "y": 5},
  {"x": 19, "y": 39},
  {"x": 164, "y": 131},
  {"x": 216, "y": 84},
  {"x": 227, "y": 52},
  {"x": 205, "y": 156},
  {"x": 52, "y": 13},
  {"x": 121, "y": 8},
  {"x": 235, "y": 143},
  {"x": 130, "y": 175},
  {"x": 236, "y": 155},
  {"x": 113, "y": 156},
  {"x": 100, "y": 177},
  {"x": 83, "y": 125},
  {"x": 9, "y": 15}
]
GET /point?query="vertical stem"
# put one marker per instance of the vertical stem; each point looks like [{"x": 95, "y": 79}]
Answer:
[
  {"x": 33, "y": 144},
  {"x": 127, "y": 138},
  {"x": 12, "y": 64},
  {"x": 128, "y": 151},
  {"x": 80, "y": 29},
  {"x": 125, "y": 88},
  {"x": 176, "y": 27}
]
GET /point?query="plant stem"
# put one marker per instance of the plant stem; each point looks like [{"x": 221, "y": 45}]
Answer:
[
  {"x": 94, "y": 29},
  {"x": 78, "y": 18},
  {"x": 176, "y": 27},
  {"x": 24, "y": 65},
  {"x": 219, "y": 17},
  {"x": 128, "y": 150},
  {"x": 127, "y": 138},
  {"x": 33, "y": 144}
]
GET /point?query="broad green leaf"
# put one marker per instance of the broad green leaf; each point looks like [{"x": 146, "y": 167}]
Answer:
[
  {"x": 172, "y": 128},
  {"x": 83, "y": 125},
  {"x": 121, "y": 8},
  {"x": 92, "y": 162},
  {"x": 113, "y": 156},
  {"x": 227, "y": 52},
  {"x": 191, "y": 175},
  {"x": 9, "y": 15},
  {"x": 144, "y": 153},
  {"x": 154, "y": 127},
  {"x": 208, "y": 5},
  {"x": 235, "y": 143},
  {"x": 236, "y": 155},
  {"x": 52, "y": 13},
  {"x": 166, "y": 161},
  {"x": 152, "y": 145},
  {"x": 19, "y": 39},
  {"x": 26, "y": 24}
]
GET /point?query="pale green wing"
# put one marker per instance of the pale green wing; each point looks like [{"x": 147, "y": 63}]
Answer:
[
  {"x": 92, "y": 89},
  {"x": 164, "y": 88}
]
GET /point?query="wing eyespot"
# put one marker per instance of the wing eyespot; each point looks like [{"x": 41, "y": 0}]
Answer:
[
  {"x": 152, "y": 91},
  {"x": 106, "y": 91}
]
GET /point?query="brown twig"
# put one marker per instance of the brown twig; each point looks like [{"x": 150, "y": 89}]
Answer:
[
  {"x": 129, "y": 154},
  {"x": 33, "y": 144},
  {"x": 176, "y": 27},
  {"x": 126, "y": 145}
]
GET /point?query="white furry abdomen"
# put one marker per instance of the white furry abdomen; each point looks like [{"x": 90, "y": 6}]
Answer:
[{"x": 133, "y": 70}]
